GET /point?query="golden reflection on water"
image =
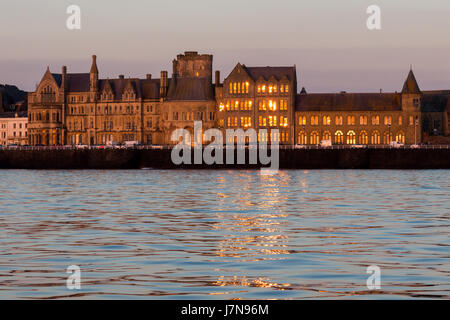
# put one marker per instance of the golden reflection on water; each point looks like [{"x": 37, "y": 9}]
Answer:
[
  {"x": 232, "y": 234},
  {"x": 263, "y": 239}
]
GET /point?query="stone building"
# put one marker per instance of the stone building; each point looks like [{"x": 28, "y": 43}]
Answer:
[
  {"x": 81, "y": 108},
  {"x": 190, "y": 96},
  {"x": 13, "y": 128},
  {"x": 361, "y": 118},
  {"x": 259, "y": 98}
]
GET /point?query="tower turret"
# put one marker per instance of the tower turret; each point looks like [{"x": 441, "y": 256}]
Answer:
[{"x": 94, "y": 74}]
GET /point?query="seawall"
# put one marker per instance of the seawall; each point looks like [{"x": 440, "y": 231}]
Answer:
[{"x": 289, "y": 159}]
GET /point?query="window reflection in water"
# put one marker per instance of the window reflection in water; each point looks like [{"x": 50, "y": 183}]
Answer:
[{"x": 249, "y": 235}]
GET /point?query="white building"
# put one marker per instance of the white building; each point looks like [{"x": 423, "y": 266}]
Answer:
[{"x": 13, "y": 128}]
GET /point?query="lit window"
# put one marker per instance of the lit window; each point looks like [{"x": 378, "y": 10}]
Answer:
[
  {"x": 315, "y": 138},
  {"x": 363, "y": 120},
  {"x": 302, "y": 120},
  {"x": 400, "y": 137},
  {"x": 363, "y": 138},
  {"x": 375, "y": 120},
  {"x": 302, "y": 138},
  {"x": 351, "y": 120},
  {"x": 327, "y": 136},
  {"x": 339, "y": 137},
  {"x": 351, "y": 137},
  {"x": 387, "y": 120}
]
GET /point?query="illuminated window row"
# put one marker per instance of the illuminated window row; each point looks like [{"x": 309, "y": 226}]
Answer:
[
  {"x": 281, "y": 136},
  {"x": 232, "y": 121},
  {"x": 246, "y": 122},
  {"x": 350, "y": 138},
  {"x": 239, "y": 87},
  {"x": 237, "y": 105},
  {"x": 271, "y": 105},
  {"x": 272, "y": 89},
  {"x": 271, "y": 121},
  {"x": 351, "y": 120}
]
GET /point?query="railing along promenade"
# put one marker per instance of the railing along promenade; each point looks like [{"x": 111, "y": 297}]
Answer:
[{"x": 165, "y": 147}]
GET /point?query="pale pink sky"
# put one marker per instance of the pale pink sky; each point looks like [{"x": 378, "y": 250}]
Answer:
[{"x": 326, "y": 39}]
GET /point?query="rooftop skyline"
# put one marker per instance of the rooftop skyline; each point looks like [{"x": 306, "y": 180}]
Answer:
[{"x": 329, "y": 43}]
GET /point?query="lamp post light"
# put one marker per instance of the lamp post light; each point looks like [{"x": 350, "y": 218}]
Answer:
[
  {"x": 416, "y": 123},
  {"x": 389, "y": 136}
]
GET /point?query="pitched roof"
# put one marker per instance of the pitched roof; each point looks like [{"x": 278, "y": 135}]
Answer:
[
  {"x": 267, "y": 72},
  {"x": 58, "y": 78},
  {"x": 411, "y": 85},
  {"x": 78, "y": 82},
  {"x": 144, "y": 88},
  {"x": 349, "y": 102},
  {"x": 150, "y": 88},
  {"x": 190, "y": 89},
  {"x": 435, "y": 101}
]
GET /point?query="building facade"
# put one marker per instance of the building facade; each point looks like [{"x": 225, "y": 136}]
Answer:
[
  {"x": 13, "y": 128},
  {"x": 259, "y": 98},
  {"x": 81, "y": 108}
]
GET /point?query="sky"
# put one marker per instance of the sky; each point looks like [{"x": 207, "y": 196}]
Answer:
[{"x": 327, "y": 40}]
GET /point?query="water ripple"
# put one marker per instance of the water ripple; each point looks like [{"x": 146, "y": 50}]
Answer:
[{"x": 224, "y": 234}]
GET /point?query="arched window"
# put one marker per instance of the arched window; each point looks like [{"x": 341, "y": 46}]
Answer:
[
  {"x": 387, "y": 137},
  {"x": 302, "y": 138},
  {"x": 327, "y": 136},
  {"x": 326, "y": 120},
  {"x": 315, "y": 138},
  {"x": 339, "y": 137},
  {"x": 400, "y": 137},
  {"x": 375, "y": 137},
  {"x": 302, "y": 120},
  {"x": 351, "y": 137},
  {"x": 388, "y": 120},
  {"x": 363, "y": 138},
  {"x": 375, "y": 120}
]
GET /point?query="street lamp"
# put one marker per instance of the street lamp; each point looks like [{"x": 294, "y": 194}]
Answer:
[
  {"x": 389, "y": 136},
  {"x": 416, "y": 123}
]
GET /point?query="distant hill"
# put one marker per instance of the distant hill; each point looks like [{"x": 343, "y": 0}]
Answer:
[{"x": 10, "y": 96}]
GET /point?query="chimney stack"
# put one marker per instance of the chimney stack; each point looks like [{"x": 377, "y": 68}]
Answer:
[
  {"x": 217, "y": 78},
  {"x": 93, "y": 74},
  {"x": 163, "y": 84},
  {"x": 121, "y": 77},
  {"x": 149, "y": 76},
  {"x": 64, "y": 78},
  {"x": 175, "y": 68}
]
